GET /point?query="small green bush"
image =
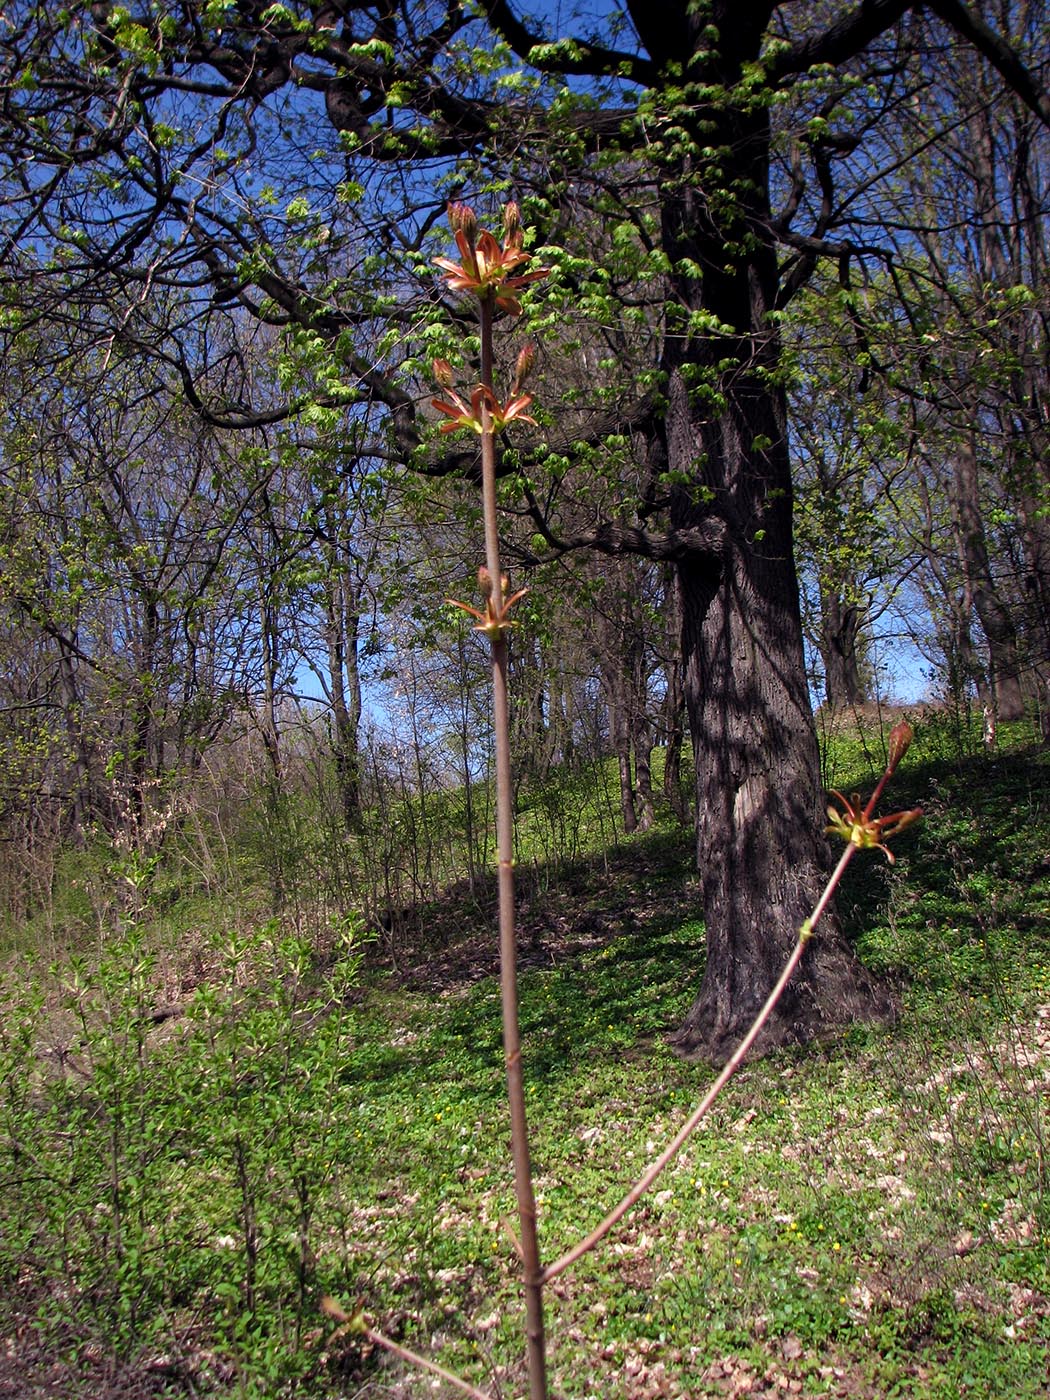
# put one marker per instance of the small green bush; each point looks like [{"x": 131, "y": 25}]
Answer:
[{"x": 153, "y": 1176}]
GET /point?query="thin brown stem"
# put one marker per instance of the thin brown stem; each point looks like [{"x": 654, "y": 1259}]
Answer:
[
  {"x": 413, "y": 1357},
  {"x": 489, "y": 510},
  {"x": 830, "y": 888},
  {"x": 873, "y": 799},
  {"x": 519, "y": 1135}
]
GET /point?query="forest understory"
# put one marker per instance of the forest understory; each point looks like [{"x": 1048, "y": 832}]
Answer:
[{"x": 211, "y": 1121}]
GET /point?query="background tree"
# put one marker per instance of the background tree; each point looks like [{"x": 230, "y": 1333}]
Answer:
[
  {"x": 968, "y": 232},
  {"x": 124, "y": 512},
  {"x": 852, "y": 474}
]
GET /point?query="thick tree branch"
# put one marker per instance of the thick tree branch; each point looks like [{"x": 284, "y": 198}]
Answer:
[
  {"x": 611, "y": 537},
  {"x": 997, "y": 51},
  {"x": 843, "y": 41},
  {"x": 569, "y": 56}
]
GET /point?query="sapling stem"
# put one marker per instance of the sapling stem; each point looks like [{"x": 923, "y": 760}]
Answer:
[
  {"x": 519, "y": 1133},
  {"x": 491, "y": 274}
]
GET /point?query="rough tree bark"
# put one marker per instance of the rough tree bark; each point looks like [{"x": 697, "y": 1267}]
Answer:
[
  {"x": 996, "y": 622},
  {"x": 761, "y": 851},
  {"x": 673, "y": 706},
  {"x": 839, "y": 646}
]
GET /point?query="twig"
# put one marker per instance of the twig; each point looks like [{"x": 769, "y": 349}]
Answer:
[
  {"x": 396, "y": 1349},
  {"x": 694, "y": 1120}
]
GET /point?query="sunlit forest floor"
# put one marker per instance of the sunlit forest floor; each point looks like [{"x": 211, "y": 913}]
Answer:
[{"x": 207, "y": 1124}]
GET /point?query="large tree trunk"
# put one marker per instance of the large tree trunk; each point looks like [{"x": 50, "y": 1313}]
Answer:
[
  {"x": 761, "y": 848},
  {"x": 840, "y": 651},
  {"x": 674, "y": 708},
  {"x": 761, "y": 851},
  {"x": 996, "y": 621}
]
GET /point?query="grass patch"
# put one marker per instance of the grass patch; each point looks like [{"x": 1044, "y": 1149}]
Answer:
[{"x": 863, "y": 1218}]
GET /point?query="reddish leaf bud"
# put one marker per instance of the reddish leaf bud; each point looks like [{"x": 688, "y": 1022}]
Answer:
[
  {"x": 442, "y": 372},
  {"x": 512, "y": 225},
  {"x": 462, "y": 219},
  {"x": 485, "y": 582},
  {"x": 901, "y": 736},
  {"x": 523, "y": 367}
]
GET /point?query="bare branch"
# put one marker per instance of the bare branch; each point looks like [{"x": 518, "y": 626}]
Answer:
[
  {"x": 1001, "y": 55},
  {"x": 569, "y": 56},
  {"x": 843, "y": 41}
]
